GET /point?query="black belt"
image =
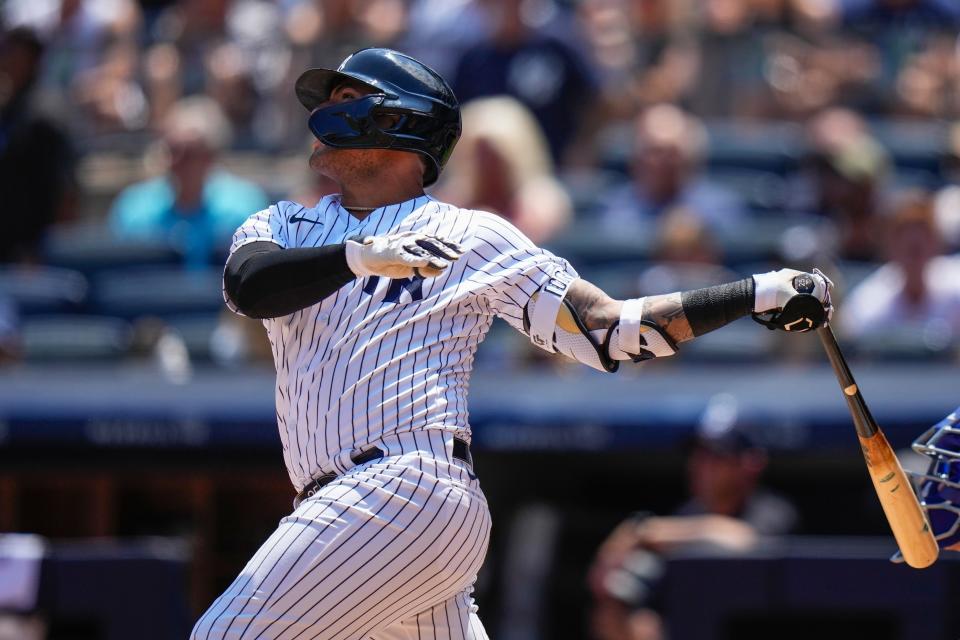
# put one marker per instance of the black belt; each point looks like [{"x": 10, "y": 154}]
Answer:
[{"x": 461, "y": 451}]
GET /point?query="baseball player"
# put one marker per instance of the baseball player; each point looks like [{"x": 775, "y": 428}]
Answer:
[{"x": 375, "y": 301}]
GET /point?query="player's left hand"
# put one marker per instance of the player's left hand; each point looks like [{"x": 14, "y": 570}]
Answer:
[
  {"x": 401, "y": 255},
  {"x": 792, "y": 300}
]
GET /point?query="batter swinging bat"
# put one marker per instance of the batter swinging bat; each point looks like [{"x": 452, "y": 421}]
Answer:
[{"x": 907, "y": 520}]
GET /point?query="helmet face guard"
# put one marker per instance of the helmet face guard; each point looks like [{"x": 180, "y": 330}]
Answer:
[
  {"x": 370, "y": 123},
  {"x": 940, "y": 486},
  {"x": 350, "y": 125}
]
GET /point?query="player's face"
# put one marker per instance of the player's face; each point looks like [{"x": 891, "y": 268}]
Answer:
[{"x": 718, "y": 479}]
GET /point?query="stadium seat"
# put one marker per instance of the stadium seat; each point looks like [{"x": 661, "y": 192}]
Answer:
[
  {"x": 582, "y": 243},
  {"x": 37, "y": 289},
  {"x": 738, "y": 342},
  {"x": 618, "y": 279},
  {"x": 931, "y": 345},
  {"x": 196, "y": 330},
  {"x": 914, "y": 145},
  {"x": 91, "y": 249},
  {"x": 761, "y": 190},
  {"x": 767, "y": 147},
  {"x": 75, "y": 337},
  {"x": 157, "y": 291}
]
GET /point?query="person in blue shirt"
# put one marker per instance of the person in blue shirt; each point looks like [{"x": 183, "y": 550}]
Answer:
[{"x": 195, "y": 205}]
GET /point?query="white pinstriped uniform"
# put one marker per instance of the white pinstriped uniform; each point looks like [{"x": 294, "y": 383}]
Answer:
[{"x": 390, "y": 549}]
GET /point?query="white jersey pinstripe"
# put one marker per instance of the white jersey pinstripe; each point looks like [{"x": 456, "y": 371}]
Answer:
[
  {"x": 389, "y": 550},
  {"x": 384, "y": 357}
]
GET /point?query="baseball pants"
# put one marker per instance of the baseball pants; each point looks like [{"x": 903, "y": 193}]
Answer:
[{"x": 388, "y": 551}]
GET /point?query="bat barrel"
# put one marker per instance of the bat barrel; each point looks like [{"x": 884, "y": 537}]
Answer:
[{"x": 907, "y": 520}]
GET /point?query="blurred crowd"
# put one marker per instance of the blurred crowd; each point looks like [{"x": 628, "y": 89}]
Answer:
[{"x": 659, "y": 144}]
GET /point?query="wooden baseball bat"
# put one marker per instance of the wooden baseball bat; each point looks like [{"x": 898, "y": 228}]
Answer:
[{"x": 907, "y": 519}]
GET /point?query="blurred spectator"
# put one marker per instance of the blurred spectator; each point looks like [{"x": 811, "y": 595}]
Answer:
[
  {"x": 91, "y": 59},
  {"x": 109, "y": 96},
  {"x": 848, "y": 168},
  {"x": 730, "y": 61},
  {"x": 238, "y": 52},
  {"x": 541, "y": 71},
  {"x": 441, "y": 30},
  {"x": 724, "y": 467},
  {"x": 728, "y": 509},
  {"x": 686, "y": 256},
  {"x": 37, "y": 161},
  {"x": 917, "y": 292},
  {"x": 932, "y": 14},
  {"x": 947, "y": 202},
  {"x": 9, "y": 331},
  {"x": 195, "y": 205},
  {"x": 186, "y": 32},
  {"x": 501, "y": 164},
  {"x": 910, "y": 40},
  {"x": 804, "y": 77},
  {"x": 668, "y": 148},
  {"x": 644, "y": 52},
  {"x": 76, "y": 32},
  {"x": 926, "y": 79}
]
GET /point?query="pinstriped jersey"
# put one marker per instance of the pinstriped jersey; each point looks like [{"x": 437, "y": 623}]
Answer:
[{"x": 383, "y": 356}]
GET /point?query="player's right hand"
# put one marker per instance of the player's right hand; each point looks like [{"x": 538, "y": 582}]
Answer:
[
  {"x": 401, "y": 255},
  {"x": 792, "y": 300}
]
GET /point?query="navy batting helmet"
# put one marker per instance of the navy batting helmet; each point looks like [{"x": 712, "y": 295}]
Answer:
[{"x": 427, "y": 113}]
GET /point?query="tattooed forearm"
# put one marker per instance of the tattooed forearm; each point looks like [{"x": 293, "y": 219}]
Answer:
[
  {"x": 595, "y": 308},
  {"x": 667, "y": 311},
  {"x": 600, "y": 311}
]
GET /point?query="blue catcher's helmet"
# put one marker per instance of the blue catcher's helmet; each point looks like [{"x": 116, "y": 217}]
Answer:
[
  {"x": 940, "y": 486},
  {"x": 428, "y": 114}
]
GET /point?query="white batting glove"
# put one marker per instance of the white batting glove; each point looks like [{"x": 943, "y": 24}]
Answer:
[
  {"x": 782, "y": 299},
  {"x": 401, "y": 255}
]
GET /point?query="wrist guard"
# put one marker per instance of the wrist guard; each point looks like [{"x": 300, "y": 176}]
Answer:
[{"x": 634, "y": 338}]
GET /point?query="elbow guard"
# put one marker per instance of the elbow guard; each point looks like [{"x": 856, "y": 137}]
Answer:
[
  {"x": 634, "y": 338},
  {"x": 555, "y": 326}
]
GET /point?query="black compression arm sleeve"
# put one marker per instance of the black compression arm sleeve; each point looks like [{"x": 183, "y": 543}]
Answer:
[
  {"x": 265, "y": 281},
  {"x": 713, "y": 307}
]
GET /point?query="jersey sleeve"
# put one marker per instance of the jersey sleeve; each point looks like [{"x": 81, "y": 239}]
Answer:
[
  {"x": 266, "y": 225},
  {"x": 509, "y": 269}
]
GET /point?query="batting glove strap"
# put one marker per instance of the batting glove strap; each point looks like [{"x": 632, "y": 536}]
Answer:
[
  {"x": 354, "y": 252},
  {"x": 634, "y": 338},
  {"x": 766, "y": 290}
]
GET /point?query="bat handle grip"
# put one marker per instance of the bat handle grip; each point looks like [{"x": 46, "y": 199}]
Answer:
[
  {"x": 837, "y": 361},
  {"x": 862, "y": 419}
]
